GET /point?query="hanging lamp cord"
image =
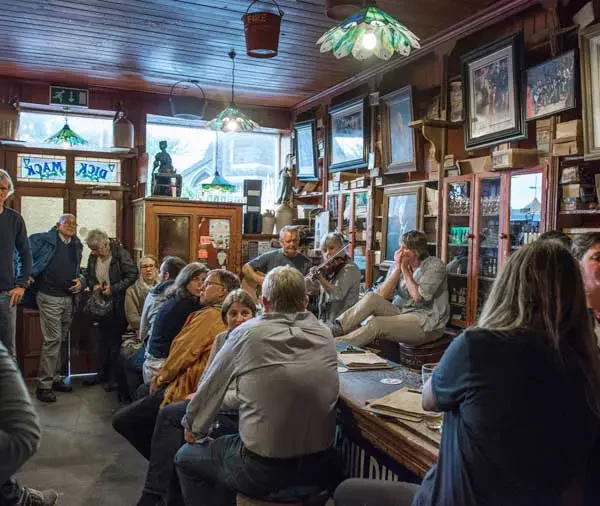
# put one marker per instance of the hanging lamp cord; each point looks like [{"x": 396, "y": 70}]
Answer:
[{"x": 232, "y": 56}]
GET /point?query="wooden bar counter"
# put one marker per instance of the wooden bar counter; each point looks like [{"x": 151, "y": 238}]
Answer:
[{"x": 411, "y": 446}]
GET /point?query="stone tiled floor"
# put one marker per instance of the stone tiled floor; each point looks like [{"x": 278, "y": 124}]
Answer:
[{"x": 81, "y": 455}]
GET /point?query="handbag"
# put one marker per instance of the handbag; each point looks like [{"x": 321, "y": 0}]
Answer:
[{"x": 99, "y": 307}]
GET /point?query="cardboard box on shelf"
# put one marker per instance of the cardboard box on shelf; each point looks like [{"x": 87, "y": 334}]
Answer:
[
  {"x": 514, "y": 159},
  {"x": 569, "y": 129},
  {"x": 567, "y": 146},
  {"x": 475, "y": 165},
  {"x": 582, "y": 191}
]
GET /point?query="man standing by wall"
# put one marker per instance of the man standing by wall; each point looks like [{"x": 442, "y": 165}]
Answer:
[
  {"x": 56, "y": 260},
  {"x": 12, "y": 287}
]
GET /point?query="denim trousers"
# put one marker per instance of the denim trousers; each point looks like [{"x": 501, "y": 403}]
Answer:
[
  {"x": 166, "y": 441},
  {"x": 56, "y": 315},
  {"x": 133, "y": 366},
  {"x": 211, "y": 473},
  {"x": 8, "y": 324}
]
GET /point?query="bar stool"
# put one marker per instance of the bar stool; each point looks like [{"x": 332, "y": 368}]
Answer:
[{"x": 296, "y": 496}]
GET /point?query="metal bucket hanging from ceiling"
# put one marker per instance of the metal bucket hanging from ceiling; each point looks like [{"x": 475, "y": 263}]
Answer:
[
  {"x": 342, "y": 9},
  {"x": 123, "y": 131},
  {"x": 262, "y": 32}
]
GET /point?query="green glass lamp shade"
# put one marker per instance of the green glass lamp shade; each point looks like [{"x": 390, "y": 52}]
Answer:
[
  {"x": 369, "y": 32},
  {"x": 232, "y": 120},
  {"x": 219, "y": 183},
  {"x": 66, "y": 136}
]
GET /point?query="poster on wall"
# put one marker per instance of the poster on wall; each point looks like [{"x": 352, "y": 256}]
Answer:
[{"x": 219, "y": 232}]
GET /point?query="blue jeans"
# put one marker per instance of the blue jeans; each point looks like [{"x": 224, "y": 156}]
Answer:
[
  {"x": 211, "y": 473},
  {"x": 8, "y": 324}
]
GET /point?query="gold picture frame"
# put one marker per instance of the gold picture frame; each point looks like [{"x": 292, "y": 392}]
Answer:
[{"x": 589, "y": 46}]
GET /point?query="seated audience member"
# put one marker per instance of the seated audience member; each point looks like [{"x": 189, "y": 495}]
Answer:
[
  {"x": 57, "y": 281},
  {"x": 418, "y": 284},
  {"x": 284, "y": 365},
  {"x": 520, "y": 395},
  {"x": 134, "y": 362},
  {"x": 556, "y": 235},
  {"x": 161, "y": 483},
  {"x": 181, "y": 372},
  {"x": 136, "y": 294},
  {"x": 19, "y": 437},
  {"x": 110, "y": 271},
  {"x": 586, "y": 249},
  {"x": 182, "y": 300},
  {"x": 338, "y": 282}
]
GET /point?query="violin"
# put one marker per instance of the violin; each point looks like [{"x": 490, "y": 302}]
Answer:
[{"x": 331, "y": 267}]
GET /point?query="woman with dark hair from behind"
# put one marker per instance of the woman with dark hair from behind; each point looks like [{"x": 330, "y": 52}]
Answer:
[
  {"x": 182, "y": 300},
  {"x": 520, "y": 395}
]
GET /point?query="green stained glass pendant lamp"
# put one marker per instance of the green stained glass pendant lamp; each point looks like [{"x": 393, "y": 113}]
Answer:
[
  {"x": 218, "y": 184},
  {"x": 66, "y": 137},
  {"x": 369, "y": 32},
  {"x": 232, "y": 119}
]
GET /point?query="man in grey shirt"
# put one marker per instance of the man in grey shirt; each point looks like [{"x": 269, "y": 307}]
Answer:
[
  {"x": 417, "y": 284},
  {"x": 284, "y": 366}
]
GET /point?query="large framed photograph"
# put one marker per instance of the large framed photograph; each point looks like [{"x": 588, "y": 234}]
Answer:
[
  {"x": 551, "y": 86},
  {"x": 492, "y": 78},
  {"x": 589, "y": 43},
  {"x": 305, "y": 147},
  {"x": 399, "y": 148},
  {"x": 402, "y": 212},
  {"x": 348, "y": 136}
]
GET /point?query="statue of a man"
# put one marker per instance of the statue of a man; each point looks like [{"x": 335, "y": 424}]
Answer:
[
  {"x": 284, "y": 188},
  {"x": 163, "y": 161}
]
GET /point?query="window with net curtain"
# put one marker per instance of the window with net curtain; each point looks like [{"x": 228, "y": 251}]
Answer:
[{"x": 239, "y": 156}]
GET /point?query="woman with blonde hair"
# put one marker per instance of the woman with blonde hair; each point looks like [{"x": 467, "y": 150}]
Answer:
[{"x": 520, "y": 395}]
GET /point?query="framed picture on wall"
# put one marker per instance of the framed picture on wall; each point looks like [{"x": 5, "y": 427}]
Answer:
[
  {"x": 551, "y": 86},
  {"x": 305, "y": 147},
  {"x": 348, "y": 136},
  {"x": 589, "y": 42},
  {"x": 402, "y": 212},
  {"x": 493, "y": 93},
  {"x": 399, "y": 149}
]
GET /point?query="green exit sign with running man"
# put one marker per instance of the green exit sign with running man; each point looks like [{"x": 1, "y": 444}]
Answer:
[{"x": 72, "y": 97}]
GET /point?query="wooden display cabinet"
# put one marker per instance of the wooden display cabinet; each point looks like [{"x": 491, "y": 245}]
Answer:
[
  {"x": 487, "y": 216},
  {"x": 192, "y": 230}
]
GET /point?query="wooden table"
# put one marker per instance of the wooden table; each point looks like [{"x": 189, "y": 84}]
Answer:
[{"x": 411, "y": 445}]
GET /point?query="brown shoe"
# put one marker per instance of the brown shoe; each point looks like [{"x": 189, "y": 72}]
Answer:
[{"x": 32, "y": 497}]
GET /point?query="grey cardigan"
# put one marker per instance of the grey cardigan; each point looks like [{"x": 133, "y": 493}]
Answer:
[{"x": 19, "y": 423}]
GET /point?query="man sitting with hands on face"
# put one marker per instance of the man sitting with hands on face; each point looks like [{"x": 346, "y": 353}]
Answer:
[{"x": 417, "y": 284}]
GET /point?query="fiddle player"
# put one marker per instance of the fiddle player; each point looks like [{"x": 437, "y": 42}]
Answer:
[
  {"x": 411, "y": 306},
  {"x": 338, "y": 281},
  {"x": 255, "y": 271}
]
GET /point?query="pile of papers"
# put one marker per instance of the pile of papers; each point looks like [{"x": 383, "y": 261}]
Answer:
[
  {"x": 405, "y": 404},
  {"x": 363, "y": 361}
]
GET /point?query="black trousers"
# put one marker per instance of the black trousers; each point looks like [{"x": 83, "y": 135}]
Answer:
[
  {"x": 136, "y": 421},
  {"x": 110, "y": 345},
  {"x": 10, "y": 493}
]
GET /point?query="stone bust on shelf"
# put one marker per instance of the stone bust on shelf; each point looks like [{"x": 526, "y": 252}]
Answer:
[{"x": 165, "y": 180}]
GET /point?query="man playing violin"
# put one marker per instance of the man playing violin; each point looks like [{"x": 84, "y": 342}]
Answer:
[
  {"x": 337, "y": 281},
  {"x": 411, "y": 306},
  {"x": 255, "y": 271}
]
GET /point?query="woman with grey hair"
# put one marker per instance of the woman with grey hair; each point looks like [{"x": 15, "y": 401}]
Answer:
[
  {"x": 338, "y": 282},
  {"x": 110, "y": 272},
  {"x": 183, "y": 298},
  {"x": 586, "y": 250}
]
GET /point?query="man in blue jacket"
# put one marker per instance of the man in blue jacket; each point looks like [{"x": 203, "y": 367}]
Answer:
[{"x": 57, "y": 278}]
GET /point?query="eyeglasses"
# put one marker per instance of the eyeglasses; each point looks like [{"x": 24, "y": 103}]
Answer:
[{"x": 208, "y": 283}]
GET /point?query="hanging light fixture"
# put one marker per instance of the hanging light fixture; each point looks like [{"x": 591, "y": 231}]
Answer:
[
  {"x": 218, "y": 184},
  {"x": 66, "y": 137},
  {"x": 370, "y": 31},
  {"x": 232, "y": 119}
]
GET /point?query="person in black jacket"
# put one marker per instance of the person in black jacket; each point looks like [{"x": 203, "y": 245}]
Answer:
[{"x": 110, "y": 271}]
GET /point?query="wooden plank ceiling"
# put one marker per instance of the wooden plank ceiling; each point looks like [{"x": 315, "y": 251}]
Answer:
[{"x": 150, "y": 44}]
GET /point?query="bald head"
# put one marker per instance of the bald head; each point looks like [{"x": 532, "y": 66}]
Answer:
[{"x": 67, "y": 225}]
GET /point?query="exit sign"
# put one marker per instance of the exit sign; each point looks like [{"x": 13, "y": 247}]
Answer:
[{"x": 72, "y": 97}]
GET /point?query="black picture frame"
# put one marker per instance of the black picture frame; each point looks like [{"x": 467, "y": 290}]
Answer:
[
  {"x": 493, "y": 93},
  {"x": 349, "y": 118},
  {"x": 306, "y": 150},
  {"x": 559, "y": 73},
  {"x": 403, "y": 156}
]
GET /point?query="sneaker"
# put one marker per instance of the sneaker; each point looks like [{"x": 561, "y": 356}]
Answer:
[
  {"x": 336, "y": 329},
  {"x": 32, "y": 497},
  {"x": 45, "y": 395},
  {"x": 61, "y": 386}
]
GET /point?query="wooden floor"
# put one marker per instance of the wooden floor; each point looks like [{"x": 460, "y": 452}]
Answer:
[{"x": 81, "y": 455}]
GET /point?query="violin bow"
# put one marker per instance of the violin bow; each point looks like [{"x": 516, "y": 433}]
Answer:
[{"x": 334, "y": 256}]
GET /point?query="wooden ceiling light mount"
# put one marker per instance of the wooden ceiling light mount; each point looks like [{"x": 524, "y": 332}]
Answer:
[{"x": 341, "y": 9}]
